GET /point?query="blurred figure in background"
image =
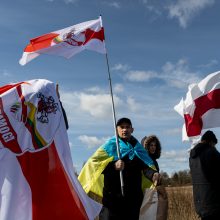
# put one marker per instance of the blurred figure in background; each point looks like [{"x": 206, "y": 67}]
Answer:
[
  {"x": 153, "y": 147},
  {"x": 204, "y": 162}
]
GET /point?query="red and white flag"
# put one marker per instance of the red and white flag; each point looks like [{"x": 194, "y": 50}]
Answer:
[
  {"x": 68, "y": 41},
  {"x": 37, "y": 180},
  {"x": 201, "y": 107}
]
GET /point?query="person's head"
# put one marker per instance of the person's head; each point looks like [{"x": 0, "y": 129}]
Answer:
[
  {"x": 152, "y": 145},
  {"x": 209, "y": 138},
  {"x": 124, "y": 128}
]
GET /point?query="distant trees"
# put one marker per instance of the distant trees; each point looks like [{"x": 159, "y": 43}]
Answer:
[{"x": 180, "y": 178}]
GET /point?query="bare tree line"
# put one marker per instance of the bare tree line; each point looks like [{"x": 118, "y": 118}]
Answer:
[{"x": 180, "y": 178}]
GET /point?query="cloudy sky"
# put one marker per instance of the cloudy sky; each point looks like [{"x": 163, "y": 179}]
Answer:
[{"x": 155, "y": 49}]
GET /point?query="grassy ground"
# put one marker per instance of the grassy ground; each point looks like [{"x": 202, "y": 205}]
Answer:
[
  {"x": 181, "y": 205},
  {"x": 180, "y": 200}
]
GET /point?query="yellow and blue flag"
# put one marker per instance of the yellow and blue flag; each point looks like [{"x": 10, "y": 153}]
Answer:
[{"x": 91, "y": 177}]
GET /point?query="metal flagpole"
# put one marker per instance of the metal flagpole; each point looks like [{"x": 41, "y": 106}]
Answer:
[{"x": 114, "y": 120}]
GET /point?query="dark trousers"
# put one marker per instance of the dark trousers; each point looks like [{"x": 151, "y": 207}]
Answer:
[
  {"x": 211, "y": 217},
  {"x": 107, "y": 214}
]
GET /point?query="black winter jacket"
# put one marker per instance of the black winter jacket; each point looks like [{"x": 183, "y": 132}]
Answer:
[
  {"x": 204, "y": 164},
  {"x": 128, "y": 205}
]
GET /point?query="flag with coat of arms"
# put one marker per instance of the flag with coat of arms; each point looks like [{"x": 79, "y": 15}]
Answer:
[
  {"x": 37, "y": 178},
  {"x": 67, "y": 42}
]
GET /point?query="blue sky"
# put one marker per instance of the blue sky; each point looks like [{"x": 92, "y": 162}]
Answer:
[{"x": 155, "y": 49}]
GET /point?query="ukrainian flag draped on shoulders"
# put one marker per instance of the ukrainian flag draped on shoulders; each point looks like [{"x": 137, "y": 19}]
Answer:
[{"x": 91, "y": 177}]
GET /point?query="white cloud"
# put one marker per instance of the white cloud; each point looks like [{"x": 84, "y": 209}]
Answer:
[
  {"x": 6, "y": 73},
  {"x": 150, "y": 7},
  {"x": 185, "y": 10},
  {"x": 174, "y": 74},
  {"x": 118, "y": 88},
  {"x": 174, "y": 160},
  {"x": 113, "y": 4},
  {"x": 132, "y": 104},
  {"x": 92, "y": 141},
  {"x": 173, "y": 131},
  {"x": 86, "y": 108},
  {"x": 7, "y": 77},
  {"x": 97, "y": 105},
  {"x": 140, "y": 76},
  {"x": 70, "y": 1},
  {"x": 175, "y": 155},
  {"x": 210, "y": 63},
  {"x": 66, "y": 1},
  {"x": 145, "y": 1},
  {"x": 178, "y": 74},
  {"x": 95, "y": 89},
  {"x": 120, "y": 67}
]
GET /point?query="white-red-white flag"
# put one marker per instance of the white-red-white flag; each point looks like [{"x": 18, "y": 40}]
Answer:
[
  {"x": 68, "y": 41},
  {"x": 201, "y": 107},
  {"x": 37, "y": 178}
]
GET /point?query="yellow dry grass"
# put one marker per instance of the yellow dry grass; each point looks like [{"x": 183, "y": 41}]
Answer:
[
  {"x": 181, "y": 205},
  {"x": 180, "y": 201}
]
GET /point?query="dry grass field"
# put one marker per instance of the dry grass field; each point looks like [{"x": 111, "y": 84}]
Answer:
[
  {"x": 180, "y": 201},
  {"x": 181, "y": 205}
]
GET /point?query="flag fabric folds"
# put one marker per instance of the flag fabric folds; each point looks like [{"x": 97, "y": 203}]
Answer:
[
  {"x": 201, "y": 107},
  {"x": 37, "y": 177},
  {"x": 67, "y": 42}
]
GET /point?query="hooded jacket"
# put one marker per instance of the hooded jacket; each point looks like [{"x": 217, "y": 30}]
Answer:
[{"x": 204, "y": 164}]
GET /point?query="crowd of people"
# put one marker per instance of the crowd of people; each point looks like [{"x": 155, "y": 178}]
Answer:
[
  {"x": 137, "y": 162},
  {"x": 125, "y": 176},
  {"x": 120, "y": 176}
]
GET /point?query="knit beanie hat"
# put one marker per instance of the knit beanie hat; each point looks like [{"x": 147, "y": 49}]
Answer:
[{"x": 209, "y": 136}]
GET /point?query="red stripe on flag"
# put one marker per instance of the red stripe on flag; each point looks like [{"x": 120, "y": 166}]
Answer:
[
  {"x": 41, "y": 42},
  {"x": 53, "y": 196},
  {"x": 5, "y": 88},
  {"x": 90, "y": 34},
  {"x": 24, "y": 117},
  {"x": 202, "y": 105},
  {"x": 8, "y": 136}
]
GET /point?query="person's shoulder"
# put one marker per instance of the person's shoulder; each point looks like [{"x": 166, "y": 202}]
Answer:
[
  {"x": 133, "y": 141},
  {"x": 198, "y": 149},
  {"x": 213, "y": 151},
  {"x": 109, "y": 142}
]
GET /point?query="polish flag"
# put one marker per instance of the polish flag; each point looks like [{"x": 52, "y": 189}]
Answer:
[
  {"x": 67, "y": 42},
  {"x": 37, "y": 178},
  {"x": 201, "y": 107}
]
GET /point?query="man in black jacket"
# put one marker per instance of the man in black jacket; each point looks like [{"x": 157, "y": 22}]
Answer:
[
  {"x": 115, "y": 205},
  {"x": 204, "y": 163}
]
